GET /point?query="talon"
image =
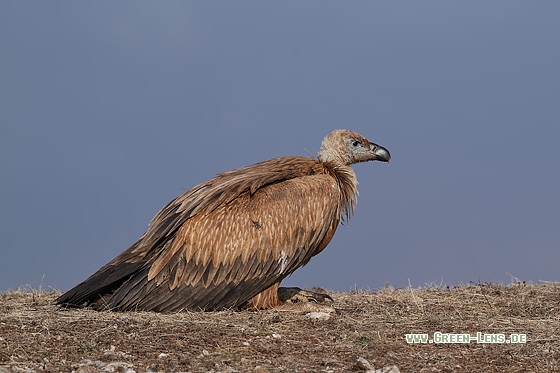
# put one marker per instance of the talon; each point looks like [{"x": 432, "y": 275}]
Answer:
[
  {"x": 296, "y": 295},
  {"x": 320, "y": 297}
]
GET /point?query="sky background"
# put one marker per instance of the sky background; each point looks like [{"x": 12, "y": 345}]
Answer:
[{"x": 108, "y": 110}]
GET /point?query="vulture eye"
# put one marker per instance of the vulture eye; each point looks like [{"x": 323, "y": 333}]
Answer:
[{"x": 355, "y": 143}]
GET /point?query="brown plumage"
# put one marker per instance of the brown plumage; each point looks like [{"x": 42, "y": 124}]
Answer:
[{"x": 231, "y": 240}]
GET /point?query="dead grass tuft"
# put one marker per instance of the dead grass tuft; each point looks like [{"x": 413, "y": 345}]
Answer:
[{"x": 35, "y": 335}]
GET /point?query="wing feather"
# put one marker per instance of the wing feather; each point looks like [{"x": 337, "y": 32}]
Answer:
[
  {"x": 224, "y": 241},
  {"x": 238, "y": 262}
]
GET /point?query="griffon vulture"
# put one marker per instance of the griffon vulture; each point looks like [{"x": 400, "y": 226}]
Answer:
[{"x": 230, "y": 241}]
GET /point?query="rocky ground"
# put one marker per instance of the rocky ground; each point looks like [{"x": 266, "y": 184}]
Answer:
[{"x": 362, "y": 331}]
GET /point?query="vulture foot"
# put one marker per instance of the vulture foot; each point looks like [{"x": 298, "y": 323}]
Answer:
[{"x": 296, "y": 295}]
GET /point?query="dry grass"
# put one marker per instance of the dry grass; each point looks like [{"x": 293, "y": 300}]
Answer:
[{"x": 37, "y": 336}]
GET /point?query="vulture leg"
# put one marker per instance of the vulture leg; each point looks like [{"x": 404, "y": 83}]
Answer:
[
  {"x": 296, "y": 295},
  {"x": 276, "y": 296},
  {"x": 266, "y": 299}
]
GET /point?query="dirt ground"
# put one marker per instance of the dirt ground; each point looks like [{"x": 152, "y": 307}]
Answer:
[{"x": 36, "y": 335}]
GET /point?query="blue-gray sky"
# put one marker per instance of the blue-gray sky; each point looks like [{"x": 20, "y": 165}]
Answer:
[{"x": 108, "y": 110}]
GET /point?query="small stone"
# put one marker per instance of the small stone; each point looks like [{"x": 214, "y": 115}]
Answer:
[
  {"x": 389, "y": 369},
  {"x": 119, "y": 366},
  {"x": 364, "y": 364},
  {"x": 318, "y": 315}
]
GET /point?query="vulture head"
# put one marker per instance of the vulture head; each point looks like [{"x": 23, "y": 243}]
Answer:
[{"x": 347, "y": 147}]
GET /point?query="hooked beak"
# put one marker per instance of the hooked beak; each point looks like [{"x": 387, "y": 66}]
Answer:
[{"x": 380, "y": 153}]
